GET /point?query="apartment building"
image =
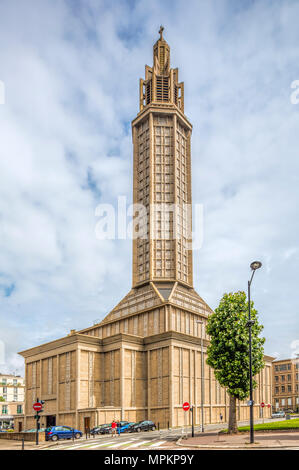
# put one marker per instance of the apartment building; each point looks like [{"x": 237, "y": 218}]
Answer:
[
  {"x": 286, "y": 384},
  {"x": 12, "y": 392}
]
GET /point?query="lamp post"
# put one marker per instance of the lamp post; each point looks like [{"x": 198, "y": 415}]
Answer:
[
  {"x": 254, "y": 266},
  {"x": 297, "y": 372},
  {"x": 202, "y": 377}
]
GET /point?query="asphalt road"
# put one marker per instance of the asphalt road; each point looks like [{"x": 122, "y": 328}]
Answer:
[{"x": 150, "y": 440}]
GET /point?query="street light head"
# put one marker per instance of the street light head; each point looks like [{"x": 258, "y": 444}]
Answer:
[{"x": 255, "y": 265}]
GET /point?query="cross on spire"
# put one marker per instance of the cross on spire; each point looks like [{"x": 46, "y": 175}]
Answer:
[{"x": 161, "y": 32}]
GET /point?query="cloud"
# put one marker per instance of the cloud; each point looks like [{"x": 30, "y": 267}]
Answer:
[{"x": 71, "y": 71}]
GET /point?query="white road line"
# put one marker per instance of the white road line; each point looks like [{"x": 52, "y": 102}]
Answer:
[
  {"x": 90, "y": 446},
  {"x": 137, "y": 445},
  {"x": 157, "y": 444},
  {"x": 121, "y": 444}
]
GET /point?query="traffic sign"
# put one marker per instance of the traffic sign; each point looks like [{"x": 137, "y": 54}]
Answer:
[
  {"x": 269, "y": 406},
  {"x": 186, "y": 406},
  {"x": 262, "y": 404},
  {"x": 37, "y": 406}
]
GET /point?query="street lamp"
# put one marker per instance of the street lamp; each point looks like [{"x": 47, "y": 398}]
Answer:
[
  {"x": 202, "y": 377},
  {"x": 254, "y": 266},
  {"x": 297, "y": 372}
]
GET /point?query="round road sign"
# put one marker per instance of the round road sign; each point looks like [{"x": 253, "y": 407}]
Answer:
[
  {"x": 262, "y": 405},
  {"x": 37, "y": 406},
  {"x": 186, "y": 406}
]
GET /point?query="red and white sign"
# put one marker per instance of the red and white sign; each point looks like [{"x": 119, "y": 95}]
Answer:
[
  {"x": 37, "y": 406},
  {"x": 269, "y": 406},
  {"x": 186, "y": 406},
  {"x": 262, "y": 405}
]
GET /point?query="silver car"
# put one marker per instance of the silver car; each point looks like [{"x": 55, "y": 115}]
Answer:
[{"x": 278, "y": 414}]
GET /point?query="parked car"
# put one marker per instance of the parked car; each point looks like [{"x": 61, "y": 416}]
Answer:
[
  {"x": 124, "y": 426},
  {"x": 62, "y": 432},
  {"x": 107, "y": 429},
  {"x": 143, "y": 426},
  {"x": 97, "y": 429},
  {"x": 278, "y": 414}
]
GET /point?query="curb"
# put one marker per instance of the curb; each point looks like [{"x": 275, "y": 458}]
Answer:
[{"x": 240, "y": 447}]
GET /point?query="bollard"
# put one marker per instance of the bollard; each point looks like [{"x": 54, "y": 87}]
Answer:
[{"x": 23, "y": 443}]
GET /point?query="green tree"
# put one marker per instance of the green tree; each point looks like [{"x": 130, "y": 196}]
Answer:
[
  {"x": 228, "y": 352},
  {"x": 1, "y": 399}
]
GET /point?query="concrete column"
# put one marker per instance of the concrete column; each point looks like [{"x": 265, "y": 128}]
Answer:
[
  {"x": 122, "y": 385},
  {"x": 171, "y": 410},
  {"x": 148, "y": 386}
]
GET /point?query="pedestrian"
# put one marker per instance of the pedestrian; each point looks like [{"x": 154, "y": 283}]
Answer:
[
  {"x": 221, "y": 417},
  {"x": 118, "y": 428},
  {"x": 113, "y": 426}
]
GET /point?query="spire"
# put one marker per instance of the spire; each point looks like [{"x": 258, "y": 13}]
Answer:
[
  {"x": 161, "y": 32},
  {"x": 161, "y": 82}
]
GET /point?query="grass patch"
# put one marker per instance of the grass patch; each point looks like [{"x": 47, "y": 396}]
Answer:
[{"x": 275, "y": 426}]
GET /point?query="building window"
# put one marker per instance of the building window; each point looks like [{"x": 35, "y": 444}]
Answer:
[
  {"x": 4, "y": 409},
  {"x": 283, "y": 389},
  {"x": 282, "y": 378},
  {"x": 276, "y": 390},
  {"x": 289, "y": 388},
  {"x": 289, "y": 377},
  {"x": 19, "y": 409},
  {"x": 276, "y": 378}
]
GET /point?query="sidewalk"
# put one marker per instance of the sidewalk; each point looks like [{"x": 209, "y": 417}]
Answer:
[{"x": 263, "y": 440}]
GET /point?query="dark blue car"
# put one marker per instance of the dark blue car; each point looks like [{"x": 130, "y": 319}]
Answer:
[{"x": 62, "y": 432}]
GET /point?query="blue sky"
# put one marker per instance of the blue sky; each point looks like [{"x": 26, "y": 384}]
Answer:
[{"x": 71, "y": 71}]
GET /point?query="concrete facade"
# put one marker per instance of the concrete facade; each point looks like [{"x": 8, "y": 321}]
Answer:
[
  {"x": 12, "y": 392},
  {"x": 144, "y": 359},
  {"x": 286, "y": 384}
]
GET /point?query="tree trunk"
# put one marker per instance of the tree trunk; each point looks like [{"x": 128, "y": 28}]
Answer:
[{"x": 232, "y": 419}]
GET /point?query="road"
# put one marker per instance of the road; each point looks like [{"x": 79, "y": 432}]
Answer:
[{"x": 150, "y": 440}]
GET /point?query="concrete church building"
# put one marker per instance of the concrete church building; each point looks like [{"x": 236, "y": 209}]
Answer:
[{"x": 143, "y": 360}]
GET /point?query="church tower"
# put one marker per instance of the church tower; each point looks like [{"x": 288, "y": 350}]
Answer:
[{"x": 162, "y": 254}]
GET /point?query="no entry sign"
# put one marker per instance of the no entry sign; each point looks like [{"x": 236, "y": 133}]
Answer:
[
  {"x": 186, "y": 406},
  {"x": 37, "y": 406},
  {"x": 262, "y": 405}
]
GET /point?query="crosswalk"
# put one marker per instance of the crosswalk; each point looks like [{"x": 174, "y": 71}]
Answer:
[{"x": 133, "y": 443}]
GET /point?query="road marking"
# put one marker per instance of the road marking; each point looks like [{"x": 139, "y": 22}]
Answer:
[
  {"x": 157, "y": 444},
  {"x": 141, "y": 443},
  {"x": 121, "y": 444},
  {"x": 90, "y": 446}
]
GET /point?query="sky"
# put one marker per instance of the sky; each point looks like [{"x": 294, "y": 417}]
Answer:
[{"x": 69, "y": 73}]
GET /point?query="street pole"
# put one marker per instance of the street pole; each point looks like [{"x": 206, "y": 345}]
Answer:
[
  {"x": 202, "y": 381},
  {"x": 297, "y": 372},
  {"x": 254, "y": 266},
  {"x": 192, "y": 419},
  {"x": 250, "y": 365}
]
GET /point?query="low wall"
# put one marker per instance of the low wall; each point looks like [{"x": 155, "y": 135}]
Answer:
[{"x": 27, "y": 436}]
